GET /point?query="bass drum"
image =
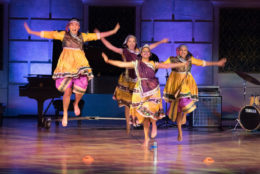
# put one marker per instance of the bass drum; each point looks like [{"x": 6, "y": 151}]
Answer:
[{"x": 249, "y": 118}]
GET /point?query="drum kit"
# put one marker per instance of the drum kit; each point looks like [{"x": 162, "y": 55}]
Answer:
[{"x": 249, "y": 115}]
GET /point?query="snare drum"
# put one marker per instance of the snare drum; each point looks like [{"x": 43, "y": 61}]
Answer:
[
  {"x": 254, "y": 99},
  {"x": 249, "y": 117}
]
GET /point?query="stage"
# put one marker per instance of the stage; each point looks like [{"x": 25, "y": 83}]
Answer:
[{"x": 104, "y": 147}]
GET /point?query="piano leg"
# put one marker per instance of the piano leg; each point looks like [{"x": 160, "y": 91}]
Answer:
[{"x": 40, "y": 111}]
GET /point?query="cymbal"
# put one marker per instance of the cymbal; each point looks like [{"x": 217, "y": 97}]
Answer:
[{"x": 248, "y": 78}]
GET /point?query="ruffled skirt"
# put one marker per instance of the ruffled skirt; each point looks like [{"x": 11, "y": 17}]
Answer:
[{"x": 72, "y": 63}]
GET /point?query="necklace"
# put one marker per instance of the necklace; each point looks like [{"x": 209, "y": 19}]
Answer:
[{"x": 75, "y": 36}]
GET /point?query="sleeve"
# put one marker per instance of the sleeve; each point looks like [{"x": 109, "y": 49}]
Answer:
[
  {"x": 90, "y": 36},
  {"x": 53, "y": 35},
  {"x": 167, "y": 61},
  {"x": 154, "y": 64},
  {"x": 135, "y": 63},
  {"x": 198, "y": 62}
]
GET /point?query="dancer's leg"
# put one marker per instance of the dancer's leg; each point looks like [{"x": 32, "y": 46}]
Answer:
[
  {"x": 127, "y": 119},
  {"x": 76, "y": 104},
  {"x": 179, "y": 124},
  {"x": 184, "y": 117},
  {"x": 66, "y": 102},
  {"x": 154, "y": 128},
  {"x": 146, "y": 125}
]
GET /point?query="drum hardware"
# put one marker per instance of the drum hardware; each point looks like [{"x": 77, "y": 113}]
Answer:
[
  {"x": 254, "y": 100},
  {"x": 249, "y": 115},
  {"x": 247, "y": 77},
  {"x": 249, "y": 118}
]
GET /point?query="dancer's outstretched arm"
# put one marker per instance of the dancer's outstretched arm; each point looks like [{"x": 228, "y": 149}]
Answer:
[
  {"x": 172, "y": 65},
  {"x": 29, "y": 31},
  {"x": 117, "y": 63},
  {"x": 111, "y": 47},
  {"x": 220, "y": 63},
  {"x": 111, "y": 32},
  {"x": 152, "y": 46}
]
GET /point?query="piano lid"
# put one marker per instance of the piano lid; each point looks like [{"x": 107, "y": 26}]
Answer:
[{"x": 40, "y": 80}]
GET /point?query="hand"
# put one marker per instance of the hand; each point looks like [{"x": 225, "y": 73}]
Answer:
[
  {"x": 222, "y": 62},
  {"x": 27, "y": 28},
  {"x": 105, "y": 57},
  {"x": 116, "y": 27},
  {"x": 96, "y": 30},
  {"x": 165, "y": 40}
]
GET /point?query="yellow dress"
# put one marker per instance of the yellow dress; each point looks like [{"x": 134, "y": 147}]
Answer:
[
  {"x": 181, "y": 80},
  {"x": 146, "y": 99},
  {"x": 126, "y": 82},
  {"x": 72, "y": 61}
]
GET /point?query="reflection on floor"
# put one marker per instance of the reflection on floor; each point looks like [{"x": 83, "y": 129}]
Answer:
[{"x": 104, "y": 147}]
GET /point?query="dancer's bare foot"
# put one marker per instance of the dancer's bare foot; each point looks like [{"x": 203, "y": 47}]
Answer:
[
  {"x": 146, "y": 143},
  {"x": 65, "y": 119},
  {"x": 76, "y": 109},
  {"x": 179, "y": 137}
]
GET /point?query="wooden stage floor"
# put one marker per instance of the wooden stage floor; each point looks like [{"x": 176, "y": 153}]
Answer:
[{"x": 104, "y": 147}]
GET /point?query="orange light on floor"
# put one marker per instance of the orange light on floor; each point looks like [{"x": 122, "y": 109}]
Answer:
[
  {"x": 88, "y": 159},
  {"x": 208, "y": 160}
]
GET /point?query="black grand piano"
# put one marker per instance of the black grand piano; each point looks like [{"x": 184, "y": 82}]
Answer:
[{"x": 40, "y": 88}]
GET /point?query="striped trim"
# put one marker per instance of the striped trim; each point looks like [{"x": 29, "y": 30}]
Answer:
[
  {"x": 123, "y": 88},
  {"x": 171, "y": 97},
  {"x": 64, "y": 84},
  {"x": 189, "y": 108},
  {"x": 87, "y": 71},
  {"x": 69, "y": 48},
  {"x": 42, "y": 34},
  {"x": 122, "y": 103},
  {"x": 203, "y": 63},
  {"x": 78, "y": 90},
  {"x": 143, "y": 111}
]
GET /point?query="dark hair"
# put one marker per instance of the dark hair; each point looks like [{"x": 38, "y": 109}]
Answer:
[
  {"x": 189, "y": 55},
  {"x": 74, "y": 19}
]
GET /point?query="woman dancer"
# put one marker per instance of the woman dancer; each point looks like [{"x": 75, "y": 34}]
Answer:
[
  {"x": 181, "y": 89},
  {"x": 126, "y": 83},
  {"x": 146, "y": 104},
  {"x": 73, "y": 71}
]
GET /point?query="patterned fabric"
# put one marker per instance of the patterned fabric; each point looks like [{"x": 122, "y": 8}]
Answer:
[
  {"x": 188, "y": 88},
  {"x": 72, "y": 62},
  {"x": 146, "y": 100},
  {"x": 78, "y": 85},
  {"x": 126, "y": 82},
  {"x": 124, "y": 91}
]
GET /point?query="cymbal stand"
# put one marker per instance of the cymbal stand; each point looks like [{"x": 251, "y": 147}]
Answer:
[
  {"x": 244, "y": 93},
  {"x": 244, "y": 103}
]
